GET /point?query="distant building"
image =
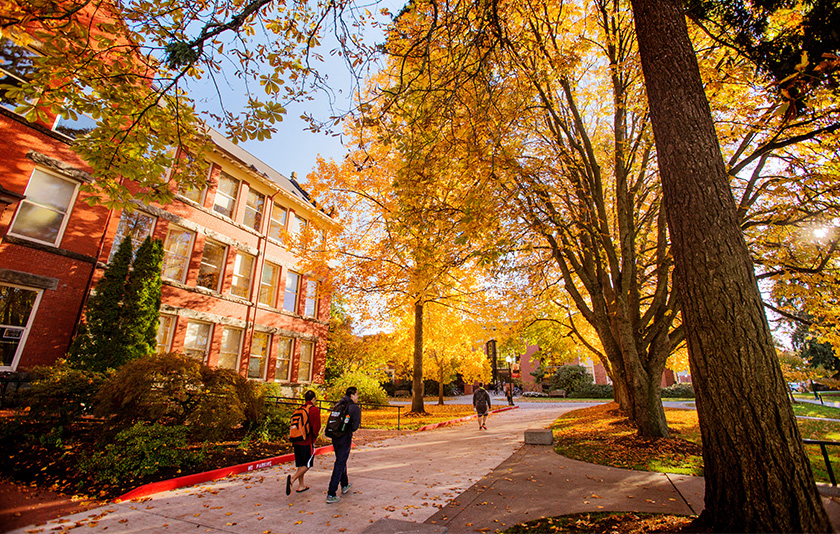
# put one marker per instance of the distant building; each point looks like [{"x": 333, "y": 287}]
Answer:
[{"x": 531, "y": 360}]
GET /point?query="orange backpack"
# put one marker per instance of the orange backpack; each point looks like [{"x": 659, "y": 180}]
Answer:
[{"x": 299, "y": 424}]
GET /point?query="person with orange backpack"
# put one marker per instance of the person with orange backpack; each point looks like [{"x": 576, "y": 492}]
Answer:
[{"x": 305, "y": 425}]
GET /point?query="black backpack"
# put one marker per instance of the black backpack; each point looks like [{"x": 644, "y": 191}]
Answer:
[{"x": 338, "y": 420}]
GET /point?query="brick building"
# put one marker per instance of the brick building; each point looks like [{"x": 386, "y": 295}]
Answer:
[
  {"x": 233, "y": 294},
  {"x": 531, "y": 360}
]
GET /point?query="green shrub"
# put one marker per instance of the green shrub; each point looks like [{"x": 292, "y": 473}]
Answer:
[
  {"x": 60, "y": 394},
  {"x": 274, "y": 423},
  {"x": 369, "y": 388},
  {"x": 594, "y": 391},
  {"x": 175, "y": 389},
  {"x": 683, "y": 390},
  {"x": 572, "y": 378},
  {"x": 139, "y": 451}
]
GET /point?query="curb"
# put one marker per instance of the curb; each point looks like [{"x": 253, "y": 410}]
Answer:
[
  {"x": 467, "y": 418},
  {"x": 197, "y": 478}
]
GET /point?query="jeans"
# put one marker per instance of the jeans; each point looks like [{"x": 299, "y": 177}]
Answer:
[{"x": 341, "y": 446}]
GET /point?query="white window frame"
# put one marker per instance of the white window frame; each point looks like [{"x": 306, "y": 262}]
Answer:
[
  {"x": 274, "y": 222},
  {"x": 296, "y": 292},
  {"x": 134, "y": 244},
  {"x": 188, "y": 257},
  {"x": 264, "y": 357},
  {"x": 311, "y": 297},
  {"x": 167, "y": 332},
  {"x": 303, "y": 344},
  {"x": 290, "y": 343},
  {"x": 202, "y": 194},
  {"x": 219, "y": 192},
  {"x": 26, "y": 329},
  {"x": 257, "y": 214},
  {"x": 238, "y": 358},
  {"x": 65, "y": 220},
  {"x": 224, "y": 248},
  {"x": 207, "y": 346},
  {"x": 237, "y": 275},
  {"x": 273, "y": 286}
]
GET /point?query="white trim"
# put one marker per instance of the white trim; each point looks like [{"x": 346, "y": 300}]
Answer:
[
  {"x": 67, "y": 214},
  {"x": 189, "y": 255},
  {"x": 209, "y": 339},
  {"x": 238, "y": 361},
  {"x": 16, "y": 359}
]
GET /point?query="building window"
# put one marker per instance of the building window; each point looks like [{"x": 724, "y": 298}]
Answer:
[
  {"x": 136, "y": 225},
  {"x": 73, "y": 128},
  {"x": 42, "y": 215},
  {"x": 283, "y": 365},
  {"x": 268, "y": 284},
  {"x": 16, "y": 66},
  {"x": 307, "y": 351},
  {"x": 231, "y": 345},
  {"x": 17, "y": 305},
  {"x": 176, "y": 253},
  {"x": 243, "y": 268},
  {"x": 212, "y": 265},
  {"x": 290, "y": 300},
  {"x": 192, "y": 193},
  {"x": 254, "y": 206},
  {"x": 277, "y": 225},
  {"x": 259, "y": 355},
  {"x": 197, "y": 340},
  {"x": 298, "y": 226},
  {"x": 311, "y": 308},
  {"x": 226, "y": 193},
  {"x": 164, "y": 335}
]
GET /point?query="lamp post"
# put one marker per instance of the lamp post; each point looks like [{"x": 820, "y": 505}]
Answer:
[{"x": 510, "y": 359}]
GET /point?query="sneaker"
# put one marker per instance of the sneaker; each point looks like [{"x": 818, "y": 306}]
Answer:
[
  {"x": 333, "y": 498},
  {"x": 345, "y": 489}
]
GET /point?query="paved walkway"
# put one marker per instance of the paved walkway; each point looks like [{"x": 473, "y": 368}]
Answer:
[{"x": 452, "y": 479}]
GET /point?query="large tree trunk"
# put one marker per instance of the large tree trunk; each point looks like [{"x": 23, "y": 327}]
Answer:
[
  {"x": 757, "y": 475},
  {"x": 417, "y": 384}
]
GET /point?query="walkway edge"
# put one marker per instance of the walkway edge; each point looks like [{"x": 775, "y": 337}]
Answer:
[{"x": 197, "y": 478}]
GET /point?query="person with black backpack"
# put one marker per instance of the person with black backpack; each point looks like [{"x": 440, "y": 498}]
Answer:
[
  {"x": 345, "y": 418},
  {"x": 305, "y": 424}
]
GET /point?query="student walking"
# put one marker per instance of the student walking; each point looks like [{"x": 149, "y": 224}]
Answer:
[
  {"x": 481, "y": 403},
  {"x": 345, "y": 418},
  {"x": 306, "y": 424}
]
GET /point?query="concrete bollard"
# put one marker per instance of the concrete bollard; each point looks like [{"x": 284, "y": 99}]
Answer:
[{"x": 539, "y": 436}]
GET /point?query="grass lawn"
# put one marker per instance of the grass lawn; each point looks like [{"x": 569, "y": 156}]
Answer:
[
  {"x": 601, "y": 435},
  {"x": 387, "y": 417},
  {"x": 816, "y": 410}
]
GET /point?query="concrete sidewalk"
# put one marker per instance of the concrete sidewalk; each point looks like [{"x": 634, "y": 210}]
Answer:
[
  {"x": 407, "y": 478},
  {"x": 453, "y": 479}
]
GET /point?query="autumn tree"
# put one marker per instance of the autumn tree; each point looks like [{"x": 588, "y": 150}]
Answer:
[
  {"x": 410, "y": 227},
  {"x": 130, "y": 66}
]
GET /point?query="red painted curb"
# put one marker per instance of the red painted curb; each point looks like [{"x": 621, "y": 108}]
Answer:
[
  {"x": 197, "y": 478},
  {"x": 467, "y": 418}
]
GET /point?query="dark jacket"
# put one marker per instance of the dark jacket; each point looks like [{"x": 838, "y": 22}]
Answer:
[
  {"x": 355, "y": 413},
  {"x": 481, "y": 394}
]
